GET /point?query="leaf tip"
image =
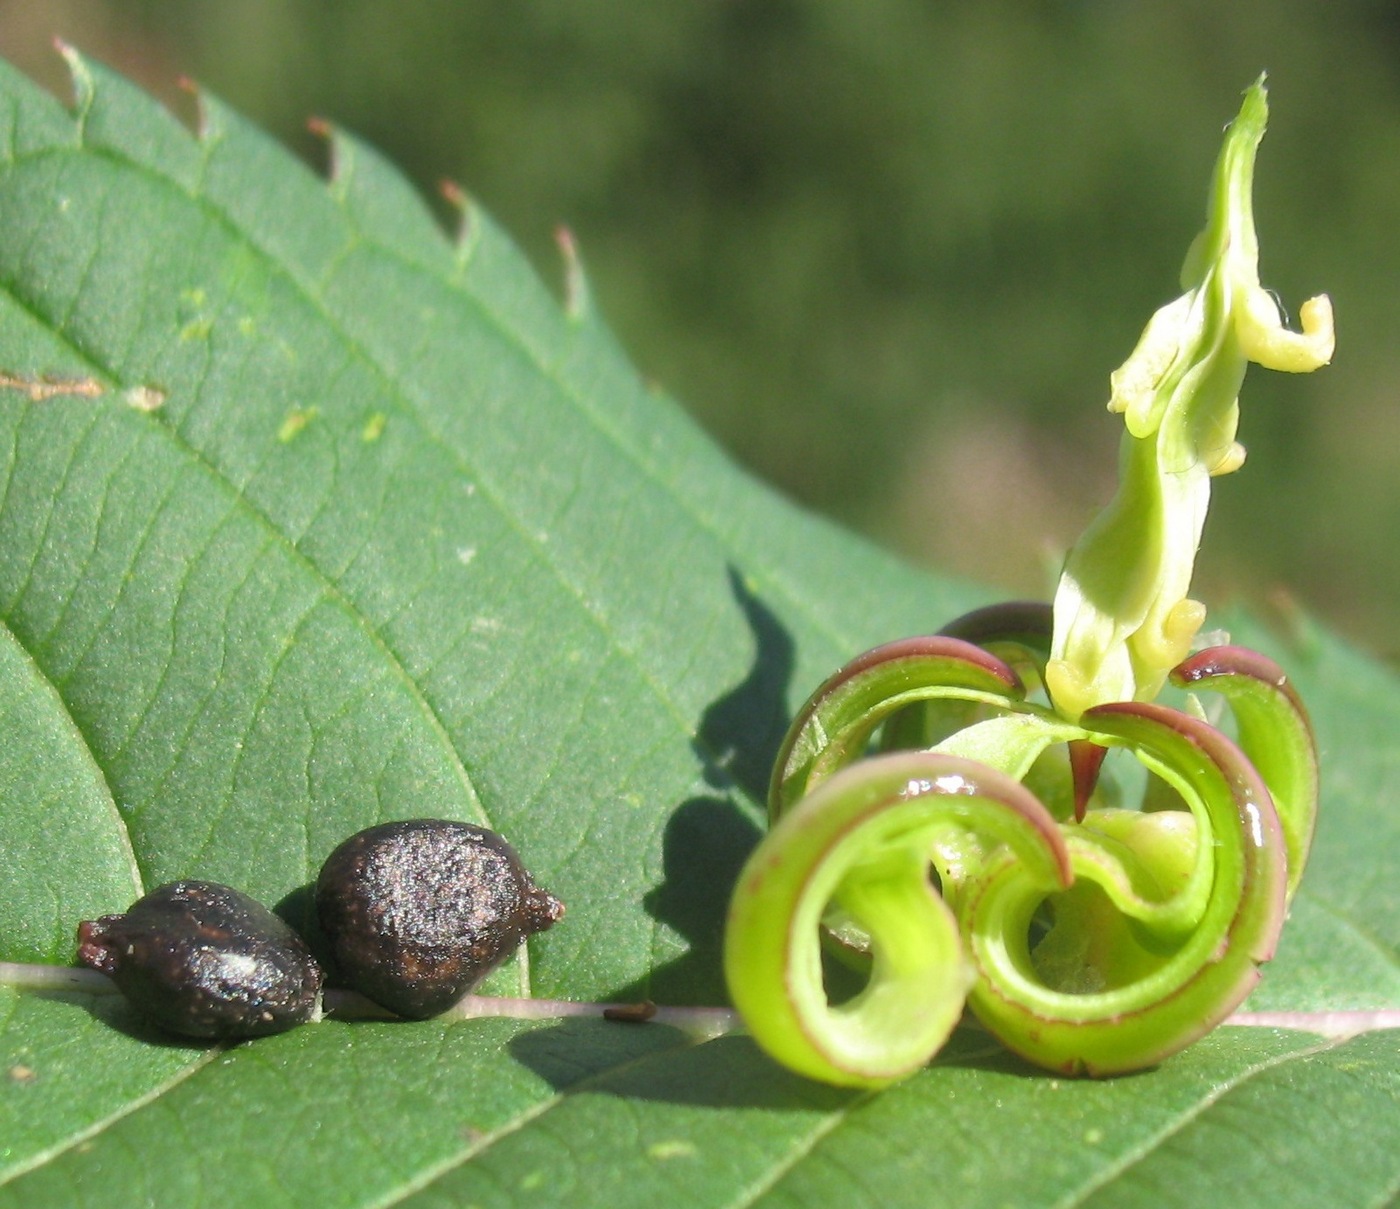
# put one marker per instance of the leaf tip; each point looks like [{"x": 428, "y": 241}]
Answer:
[
  {"x": 467, "y": 228},
  {"x": 578, "y": 299},
  {"x": 339, "y": 151},
  {"x": 84, "y": 87}
]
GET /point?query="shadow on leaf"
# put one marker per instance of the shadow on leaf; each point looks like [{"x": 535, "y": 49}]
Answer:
[
  {"x": 740, "y": 733},
  {"x": 116, "y": 1013},
  {"x": 658, "y": 1063},
  {"x": 708, "y": 838}
]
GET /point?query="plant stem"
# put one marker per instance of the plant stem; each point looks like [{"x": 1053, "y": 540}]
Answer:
[
  {"x": 26, "y": 977},
  {"x": 1336, "y": 1025},
  {"x": 701, "y": 1022}
]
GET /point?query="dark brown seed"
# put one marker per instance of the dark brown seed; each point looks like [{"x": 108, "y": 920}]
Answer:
[
  {"x": 203, "y": 960},
  {"x": 418, "y": 912}
]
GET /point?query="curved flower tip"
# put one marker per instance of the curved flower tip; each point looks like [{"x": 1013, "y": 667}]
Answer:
[
  {"x": 1265, "y": 341},
  {"x": 1123, "y": 618}
]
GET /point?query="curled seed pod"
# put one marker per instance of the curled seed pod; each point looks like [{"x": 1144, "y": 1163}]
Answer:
[
  {"x": 204, "y": 960},
  {"x": 418, "y": 912}
]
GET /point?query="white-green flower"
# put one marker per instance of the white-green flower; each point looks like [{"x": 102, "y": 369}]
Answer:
[{"x": 1123, "y": 618}]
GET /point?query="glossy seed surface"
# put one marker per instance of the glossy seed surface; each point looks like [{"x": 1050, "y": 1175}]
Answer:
[
  {"x": 204, "y": 960},
  {"x": 418, "y": 912}
]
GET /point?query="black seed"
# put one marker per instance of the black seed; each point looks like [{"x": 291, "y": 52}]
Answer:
[
  {"x": 418, "y": 912},
  {"x": 203, "y": 960}
]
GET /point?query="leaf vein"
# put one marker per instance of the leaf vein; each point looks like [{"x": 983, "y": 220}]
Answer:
[
  {"x": 1139, "y": 1153},
  {"x": 73, "y": 1141},
  {"x": 329, "y": 585}
]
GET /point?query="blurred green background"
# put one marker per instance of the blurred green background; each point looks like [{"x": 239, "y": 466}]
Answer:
[{"x": 889, "y": 251}]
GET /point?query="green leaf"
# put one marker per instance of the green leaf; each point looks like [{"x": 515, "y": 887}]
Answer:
[{"x": 312, "y": 517}]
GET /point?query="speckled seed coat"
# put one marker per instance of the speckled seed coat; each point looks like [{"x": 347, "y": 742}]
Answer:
[
  {"x": 418, "y": 912},
  {"x": 204, "y": 960}
]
